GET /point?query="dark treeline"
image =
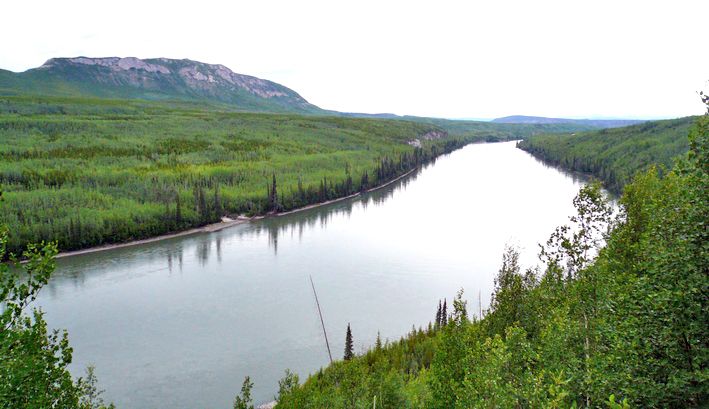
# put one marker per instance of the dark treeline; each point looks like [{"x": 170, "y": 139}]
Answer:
[{"x": 614, "y": 155}]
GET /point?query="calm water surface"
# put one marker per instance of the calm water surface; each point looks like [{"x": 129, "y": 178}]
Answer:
[{"x": 179, "y": 323}]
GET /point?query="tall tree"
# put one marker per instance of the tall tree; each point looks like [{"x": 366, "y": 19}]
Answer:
[
  {"x": 217, "y": 201},
  {"x": 178, "y": 209},
  {"x": 273, "y": 195},
  {"x": 444, "y": 314},
  {"x": 349, "y": 346},
  {"x": 438, "y": 314}
]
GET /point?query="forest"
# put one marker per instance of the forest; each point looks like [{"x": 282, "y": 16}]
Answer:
[
  {"x": 626, "y": 328},
  {"x": 615, "y": 155},
  {"x": 85, "y": 172}
]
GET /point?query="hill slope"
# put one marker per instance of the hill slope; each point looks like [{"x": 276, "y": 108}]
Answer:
[
  {"x": 598, "y": 123},
  {"x": 153, "y": 79},
  {"x": 614, "y": 155}
]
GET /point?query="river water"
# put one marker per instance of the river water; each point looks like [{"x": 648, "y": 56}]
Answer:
[{"x": 179, "y": 323}]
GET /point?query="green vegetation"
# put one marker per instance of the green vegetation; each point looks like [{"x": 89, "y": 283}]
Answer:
[
  {"x": 33, "y": 359},
  {"x": 86, "y": 172},
  {"x": 495, "y": 132},
  {"x": 626, "y": 328},
  {"x": 615, "y": 155}
]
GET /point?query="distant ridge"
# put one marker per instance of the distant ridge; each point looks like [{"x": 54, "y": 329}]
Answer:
[
  {"x": 600, "y": 123},
  {"x": 153, "y": 79}
]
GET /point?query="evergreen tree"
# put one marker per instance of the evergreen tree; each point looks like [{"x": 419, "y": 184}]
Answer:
[
  {"x": 378, "y": 343},
  {"x": 217, "y": 201},
  {"x": 444, "y": 314},
  {"x": 301, "y": 191},
  {"x": 364, "y": 182},
  {"x": 273, "y": 195},
  {"x": 203, "y": 211},
  {"x": 349, "y": 346},
  {"x": 178, "y": 209},
  {"x": 438, "y": 314}
]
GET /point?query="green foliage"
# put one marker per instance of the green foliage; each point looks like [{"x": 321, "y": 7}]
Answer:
[
  {"x": 243, "y": 400},
  {"x": 615, "y": 155},
  {"x": 395, "y": 374},
  {"x": 619, "y": 326},
  {"x": 33, "y": 359},
  {"x": 288, "y": 384},
  {"x": 349, "y": 346},
  {"x": 89, "y": 392}
]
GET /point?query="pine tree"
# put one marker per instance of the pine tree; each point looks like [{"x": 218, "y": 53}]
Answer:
[
  {"x": 364, "y": 182},
  {"x": 378, "y": 343},
  {"x": 438, "y": 314},
  {"x": 349, "y": 347},
  {"x": 178, "y": 209},
  {"x": 444, "y": 314},
  {"x": 217, "y": 201},
  {"x": 203, "y": 212},
  {"x": 273, "y": 195},
  {"x": 301, "y": 192}
]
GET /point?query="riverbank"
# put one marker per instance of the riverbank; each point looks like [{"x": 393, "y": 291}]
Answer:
[{"x": 225, "y": 223}]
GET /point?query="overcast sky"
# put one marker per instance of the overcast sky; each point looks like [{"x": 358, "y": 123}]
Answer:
[{"x": 455, "y": 59}]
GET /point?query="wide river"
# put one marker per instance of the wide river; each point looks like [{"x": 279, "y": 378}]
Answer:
[{"x": 179, "y": 323}]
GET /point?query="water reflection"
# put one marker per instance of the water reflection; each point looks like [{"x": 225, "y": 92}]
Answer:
[
  {"x": 295, "y": 224},
  {"x": 75, "y": 269}
]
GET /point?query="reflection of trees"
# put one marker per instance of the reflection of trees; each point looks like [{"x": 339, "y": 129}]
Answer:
[
  {"x": 577, "y": 177},
  {"x": 168, "y": 255},
  {"x": 204, "y": 248},
  {"x": 296, "y": 223},
  {"x": 165, "y": 256}
]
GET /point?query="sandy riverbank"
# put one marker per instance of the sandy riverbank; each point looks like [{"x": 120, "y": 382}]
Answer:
[{"x": 215, "y": 227}]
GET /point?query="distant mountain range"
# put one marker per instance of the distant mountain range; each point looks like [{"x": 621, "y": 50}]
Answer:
[
  {"x": 187, "y": 80},
  {"x": 154, "y": 79},
  {"x": 599, "y": 123}
]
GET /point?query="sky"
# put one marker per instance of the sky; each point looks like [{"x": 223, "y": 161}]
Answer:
[{"x": 451, "y": 59}]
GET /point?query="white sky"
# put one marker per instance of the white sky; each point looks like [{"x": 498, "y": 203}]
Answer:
[{"x": 456, "y": 59}]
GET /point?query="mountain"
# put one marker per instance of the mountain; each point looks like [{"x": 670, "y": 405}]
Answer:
[
  {"x": 154, "y": 79},
  {"x": 598, "y": 123}
]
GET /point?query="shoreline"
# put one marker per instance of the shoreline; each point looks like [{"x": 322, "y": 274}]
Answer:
[{"x": 225, "y": 223}]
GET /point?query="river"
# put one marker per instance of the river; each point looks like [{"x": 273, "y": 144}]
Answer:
[{"x": 179, "y": 323}]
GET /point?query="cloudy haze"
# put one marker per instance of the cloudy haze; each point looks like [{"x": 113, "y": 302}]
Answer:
[{"x": 456, "y": 59}]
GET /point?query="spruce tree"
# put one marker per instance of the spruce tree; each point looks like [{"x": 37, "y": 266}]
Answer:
[
  {"x": 438, "y": 314},
  {"x": 349, "y": 347},
  {"x": 378, "y": 343},
  {"x": 364, "y": 182},
  {"x": 273, "y": 195},
  {"x": 217, "y": 201},
  {"x": 178, "y": 209},
  {"x": 444, "y": 314}
]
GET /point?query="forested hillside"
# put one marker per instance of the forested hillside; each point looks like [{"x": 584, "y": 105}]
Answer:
[
  {"x": 494, "y": 132},
  {"x": 600, "y": 123},
  {"x": 626, "y": 329},
  {"x": 614, "y": 155},
  {"x": 86, "y": 172}
]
